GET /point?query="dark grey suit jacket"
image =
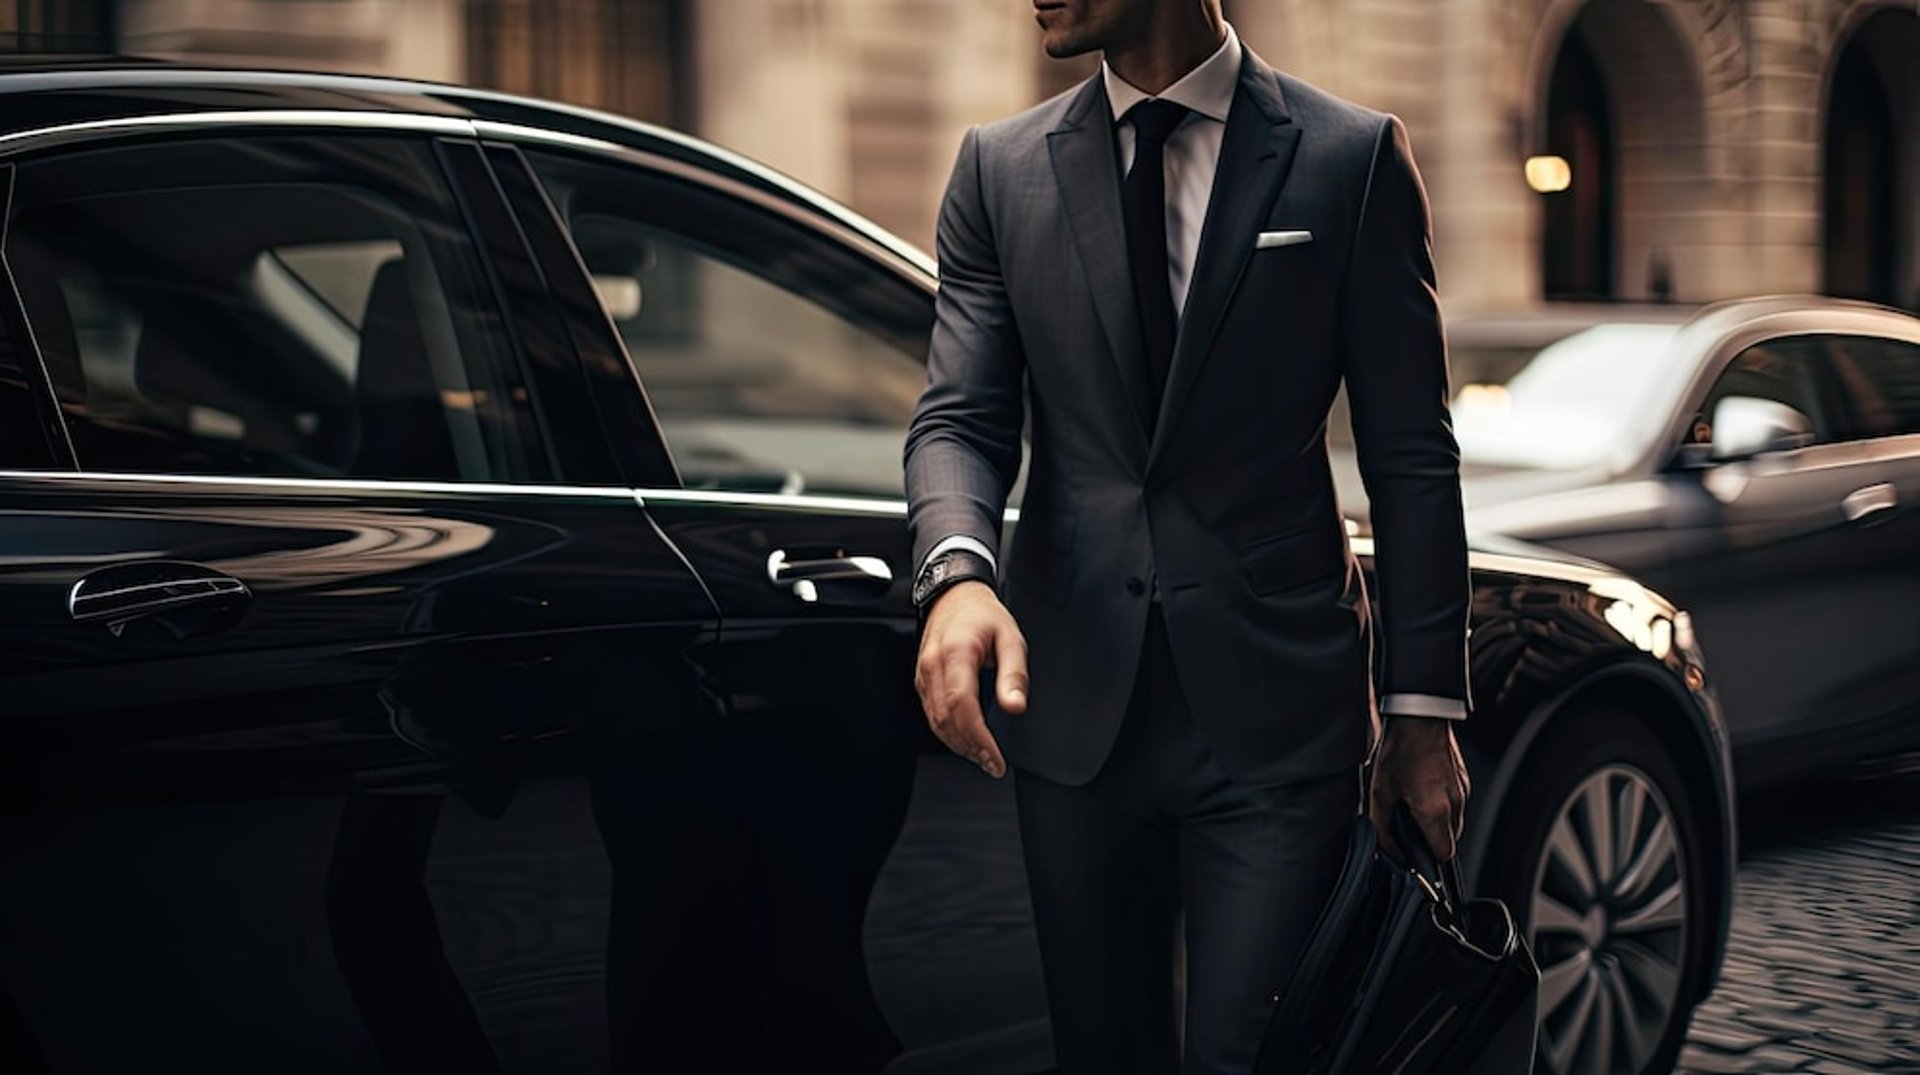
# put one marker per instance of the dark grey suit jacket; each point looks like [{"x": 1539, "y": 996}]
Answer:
[{"x": 1228, "y": 502}]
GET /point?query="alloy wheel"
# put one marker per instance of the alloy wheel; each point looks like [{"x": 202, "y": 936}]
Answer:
[{"x": 1609, "y": 925}]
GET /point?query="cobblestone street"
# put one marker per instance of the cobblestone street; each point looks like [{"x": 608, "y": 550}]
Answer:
[{"x": 1823, "y": 969}]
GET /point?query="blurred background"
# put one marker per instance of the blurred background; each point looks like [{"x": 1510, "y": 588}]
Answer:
[
  {"x": 1599, "y": 169},
  {"x": 1638, "y": 151}
]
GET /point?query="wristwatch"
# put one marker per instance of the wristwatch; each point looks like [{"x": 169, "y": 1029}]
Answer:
[{"x": 947, "y": 570}]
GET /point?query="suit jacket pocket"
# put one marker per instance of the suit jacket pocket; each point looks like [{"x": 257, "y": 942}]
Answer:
[{"x": 1297, "y": 560}]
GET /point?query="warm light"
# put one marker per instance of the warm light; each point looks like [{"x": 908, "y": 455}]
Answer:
[
  {"x": 1549, "y": 175},
  {"x": 619, "y": 294},
  {"x": 1483, "y": 397}
]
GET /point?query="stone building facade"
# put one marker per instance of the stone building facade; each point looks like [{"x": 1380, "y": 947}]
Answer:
[
  {"x": 1728, "y": 163},
  {"x": 1715, "y": 147}
]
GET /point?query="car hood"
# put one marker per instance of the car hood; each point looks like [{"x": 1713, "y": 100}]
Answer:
[
  {"x": 1492, "y": 544},
  {"x": 1483, "y": 487}
]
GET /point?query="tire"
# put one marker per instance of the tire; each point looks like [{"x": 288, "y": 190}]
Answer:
[{"x": 1628, "y": 957}]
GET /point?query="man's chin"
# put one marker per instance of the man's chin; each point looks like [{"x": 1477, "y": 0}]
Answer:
[{"x": 1066, "y": 46}]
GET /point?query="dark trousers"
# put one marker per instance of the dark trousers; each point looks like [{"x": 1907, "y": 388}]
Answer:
[{"x": 1160, "y": 847}]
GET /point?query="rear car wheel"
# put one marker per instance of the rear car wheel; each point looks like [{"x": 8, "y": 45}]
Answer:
[{"x": 1598, "y": 852}]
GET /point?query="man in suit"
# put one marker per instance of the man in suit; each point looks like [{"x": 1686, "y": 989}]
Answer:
[{"x": 1167, "y": 273}]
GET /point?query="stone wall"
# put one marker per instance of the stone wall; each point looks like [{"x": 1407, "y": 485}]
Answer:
[{"x": 1719, "y": 106}]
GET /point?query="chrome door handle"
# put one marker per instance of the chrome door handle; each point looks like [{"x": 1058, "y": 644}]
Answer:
[
  {"x": 118, "y": 595},
  {"x": 1868, "y": 501},
  {"x": 869, "y": 575}
]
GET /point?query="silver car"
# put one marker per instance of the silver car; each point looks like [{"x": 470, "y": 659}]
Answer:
[{"x": 1759, "y": 463}]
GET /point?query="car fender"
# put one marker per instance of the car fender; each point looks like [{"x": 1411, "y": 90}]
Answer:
[{"x": 1703, "y": 731}]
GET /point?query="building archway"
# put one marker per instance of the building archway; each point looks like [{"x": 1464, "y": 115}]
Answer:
[
  {"x": 1871, "y": 154},
  {"x": 1624, "y": 104},
  {"x": 1578, "y": 247}
]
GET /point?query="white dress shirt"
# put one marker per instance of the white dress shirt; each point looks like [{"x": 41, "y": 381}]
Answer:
[
  {"x": 1192, "y": 153},
  {"x": 1192, "y": 158}
]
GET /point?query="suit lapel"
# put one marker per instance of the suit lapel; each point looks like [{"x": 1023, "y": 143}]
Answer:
[
  {"x": 1256, "y": 152},
  {"x": 1086, "y": 167}
]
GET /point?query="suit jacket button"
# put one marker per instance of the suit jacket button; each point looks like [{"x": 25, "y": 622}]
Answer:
[{"x": 1135, "y": 586}]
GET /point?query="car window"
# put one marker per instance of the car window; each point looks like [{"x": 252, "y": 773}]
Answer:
[
  {"x": 23, "y": 442},
  {"x": 289, "y": 306},
  {"x": 1791, "y": 371},
  {"x": 1881, "y": 378},
  {"x": 775, "y": 359},
  {"x": 1572, "y": 405}
]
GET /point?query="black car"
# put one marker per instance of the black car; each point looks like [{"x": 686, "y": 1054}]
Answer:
[
  {"x": 453, "y": 617},
  {"x": 1759, "y": 462}
]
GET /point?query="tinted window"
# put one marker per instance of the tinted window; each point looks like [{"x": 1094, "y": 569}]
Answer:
[
  {"x": 285, "y": 306},
  {"x": 1791, "y": 371},
  {"x": 1882, "y": 379},
  {"x": 775, "y": 360},
  {"x": 23, "y": 442},
  {"x": 22, "y": 447}
]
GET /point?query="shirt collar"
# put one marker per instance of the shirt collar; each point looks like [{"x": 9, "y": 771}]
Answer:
[{"x": 1207, "y": 89}]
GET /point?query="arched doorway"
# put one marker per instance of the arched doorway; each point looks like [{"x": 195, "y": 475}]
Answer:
[
  {"x": 1578, "y": 251},
  {"x": 1622, "y": 103},
  {"x": 1873, "y": 103}
]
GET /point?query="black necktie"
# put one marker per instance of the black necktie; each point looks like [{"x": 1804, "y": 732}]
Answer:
[{"x": 1144, "y": 197}]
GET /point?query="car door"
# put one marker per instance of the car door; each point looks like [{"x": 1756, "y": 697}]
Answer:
[
  {"x": 1875, "y": 709},
  {"x": 1794, "y": 562},
  {"x": 332, "y": 636},
  {"x": 782, "y": 358}
]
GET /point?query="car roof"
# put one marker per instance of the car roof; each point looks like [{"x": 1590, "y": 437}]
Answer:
[
  {"x": 42, "y": 92},
  {"x": 1819, "y": 311},
  {"x": 1537, "y": 326}
]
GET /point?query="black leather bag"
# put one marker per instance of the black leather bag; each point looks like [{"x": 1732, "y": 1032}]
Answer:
[{"x": 1404, "y": 975}]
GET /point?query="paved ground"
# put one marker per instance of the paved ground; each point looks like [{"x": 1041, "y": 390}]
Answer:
[{"x": 1823, "y": 972}]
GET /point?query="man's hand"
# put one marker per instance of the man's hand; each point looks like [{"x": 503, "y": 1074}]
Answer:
[
  {"x": 1419, "y": 765},
  {"x": 969, "y": 629}
]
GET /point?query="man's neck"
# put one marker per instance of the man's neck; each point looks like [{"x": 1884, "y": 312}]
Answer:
[{"x": 1178, "y": 40}]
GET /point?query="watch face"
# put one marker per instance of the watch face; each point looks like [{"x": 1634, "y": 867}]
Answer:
[
  {"x": 948, "y": 565},
  {"x": 929, "y": 579}
]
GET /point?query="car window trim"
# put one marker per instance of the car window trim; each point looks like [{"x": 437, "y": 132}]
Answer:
[
  {"x": 328, "y": 485},
  {"x": 66, "y": 134},
  {"x": 615, "y": 399},
  {"x": 919, "y": 271},
  {"x": 466, "y": 97},
  {"x": 548, "y": 366},
  {"x": 22, "y": 347}
]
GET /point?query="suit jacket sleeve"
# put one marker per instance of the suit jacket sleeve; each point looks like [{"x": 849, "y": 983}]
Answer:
[
  {"x": 963, "y": 447},
  {"x": 1396, "y": 374}
]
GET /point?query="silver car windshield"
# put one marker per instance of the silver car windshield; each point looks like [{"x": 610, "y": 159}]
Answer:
[{"x": 1575, "y": 405}]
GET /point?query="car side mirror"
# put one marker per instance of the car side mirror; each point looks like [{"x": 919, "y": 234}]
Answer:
[{"x": 1746, "y": 426}]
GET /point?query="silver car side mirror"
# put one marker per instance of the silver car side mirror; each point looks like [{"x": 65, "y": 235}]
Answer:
[{"x": 1746, "y": 426}]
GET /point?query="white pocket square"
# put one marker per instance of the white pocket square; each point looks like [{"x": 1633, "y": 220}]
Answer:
[{"x": 1270, "y": 239}]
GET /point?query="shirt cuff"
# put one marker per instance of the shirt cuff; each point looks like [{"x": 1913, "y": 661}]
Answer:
[
  {"x": 1423, "y": 705},
  {"x": 963, "y": 542}
]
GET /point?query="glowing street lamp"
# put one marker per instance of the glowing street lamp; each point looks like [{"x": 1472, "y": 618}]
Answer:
[{"x": 1549, "y": 175}]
